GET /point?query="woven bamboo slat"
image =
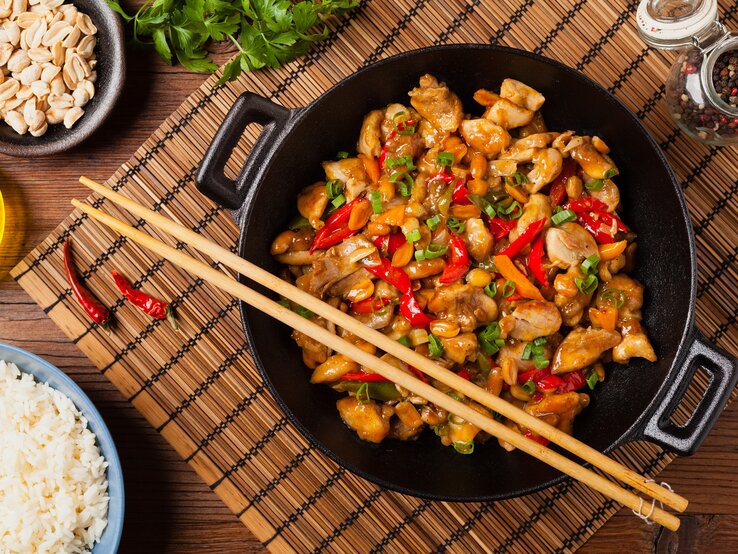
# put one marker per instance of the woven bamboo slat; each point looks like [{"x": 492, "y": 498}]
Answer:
[{"x": 199, "y": 387}]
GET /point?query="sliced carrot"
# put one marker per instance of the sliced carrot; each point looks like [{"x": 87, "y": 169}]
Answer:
[
  {"x": 523, "y": 286},
  {"x": 604, "y": 318},
  {"x": 613, "y": 250},
  {"x": 393, "y": 216},
  {"x": 371, "y": 166}
]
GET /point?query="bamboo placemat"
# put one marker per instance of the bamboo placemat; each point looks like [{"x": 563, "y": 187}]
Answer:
[{"x": 200, "y": 388}]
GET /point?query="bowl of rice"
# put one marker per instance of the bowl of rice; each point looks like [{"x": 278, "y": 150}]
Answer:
[{"x": 61, "y": 483}]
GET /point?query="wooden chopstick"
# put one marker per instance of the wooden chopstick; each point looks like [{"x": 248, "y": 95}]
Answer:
[
  {"x": 401, "y": 378},
  {"x": 263, "y": 277}
]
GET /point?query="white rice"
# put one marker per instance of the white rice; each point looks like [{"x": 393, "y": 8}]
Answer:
[{"x": 53, "y": 489}]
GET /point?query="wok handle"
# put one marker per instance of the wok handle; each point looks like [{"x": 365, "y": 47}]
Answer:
[
  {"x": 723, "y": 371},
  {"x": 248, "y": 108}
]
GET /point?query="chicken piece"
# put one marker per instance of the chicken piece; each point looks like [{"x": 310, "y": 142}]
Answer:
[
  {"x": 581, "y": 348},
  {"x": 431, "y": 136},
  {"x": 609, "y": 194},
  {"x": 547, "y": 164},
  {"x": 336, "y": 264},
  {"x": 635, "y": 344},
  {"x": 537, "y": 125},
  {"x": 436, "y": 103},
  {"x": 345, "y": 285},
  {"x": 570, "y": 301},
  {"x": 565, "y": 407},
  {"x": 502, "y": 168},
  {"x": 314, "y": 353},
  {"x": 343, "y": 170},
  {"x": 594, "y": 163},
  {"x": 485, "y": 136},
  {"x": 508, "y": 115},
  {"x": 299, "y": 257},
  {"x": 461, "y": 348},
  {"x": 568, "y": 244},
  {"x": 478, "y": 239},
  {"x": 370, "y": 137},
  {"x": 311, "y": 204},
  {"x": 537, "y": 207},
  {"x": 377, "y": 320},
  {"x": 537, "y": 140},
  {"x": 535, "y": 318},
  {"x": 521, "y": 94},
  {"x": 333, "y": 368},
  {"x": 465, "y": 304},
  {"x": 408, "y": 424},
  {"x": 365, "y": 419},
  {"x": 632, "y": 296}
]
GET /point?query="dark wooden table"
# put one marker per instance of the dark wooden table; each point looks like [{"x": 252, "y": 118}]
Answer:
[{"x": 168, "y": 508}]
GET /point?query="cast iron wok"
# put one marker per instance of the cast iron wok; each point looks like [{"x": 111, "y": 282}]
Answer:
[{"x": 635, "y": 402}]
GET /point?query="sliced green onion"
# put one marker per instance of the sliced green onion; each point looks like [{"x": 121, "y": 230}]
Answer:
[
  {"x": 529, "y": 387},
  {"x": 588, "y": 285},
  {"x": 516, "y": 179},
  {"x": 540, "y": 362},
  {"x": 445, "y": 159},
  {"x": 435, "y": 347},
  {"x": 419, "y": 255},
  {"x": 592, "y": 379},
  {"x": 537, "y": 351},
  {"x": 376, "y": 202},
  {"x": 362, "y": 394},
  {"x": 483, "y": 204},
  {"x": 338, "y": 201},
  {"x": 404, "y": 341},
  {"x": 508, "y": 289},
  {"x": 563, "y": 216},
  {"x": 333, "y": 188},
  {"x": 433, "y": 222},
  {"x": 299, "y": 310},
  {"x": 413, "y": 236},
  {"x": 491, "y": 289},
  {"x": 455, "y": 225},
  {"x": 466, "y": 447},
  {"x": 342, "y": 155},
  {"x": 440, "y": 430},
  {"x": 595, "y": 184},
  {"x": 527, "y": 352},
  {"x": 589, "y": 265},
  {"x": 298, "y": 223},
  {"x": 455, "y": 396},
  {"x": 498, "y": 416},
  {"x": 489, "y": 338},
  {"x": 616, "y": 297},
  {"x": 483, "y": 365},
  {"x": 610, "y": 173},
  {"x": 540, "y": 341},
  {"x": 433, "y": 251},
  {"x": 513, "y": 211},
  {"x": 404, "y": 182},
  {"x": 406, "y": 129},
  {"x": 406, "y": 161}
]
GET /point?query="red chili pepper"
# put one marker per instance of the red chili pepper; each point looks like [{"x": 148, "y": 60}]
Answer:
[
  {"x": 458, "y": 261},
  {"x": 574, "y": 380},
  {"x": 557, "y": 192},
  {"x": 461, "y": 194},
  {"x": 608, "y": 218},
  {"x": 370, "y": 305},
  {"x": 550, "y": 382},
  {"x": 500, "y": 228},
  {"x": 534, "y": 375},
  {"x": 514, "y": 297},
  {"x": 410, "y": 309},
  {"x": 390, "y": 243},
  {"x": 419, "y": 374},
  {"x": 595, "y": 228},
  {"x": 525, "y": 238},
  {"x": 535, "y": 262},
  {"x": 537, "y": 438},
  {"x": 464, "y": 374},
  {"x": 444, "y": 176},
  {"x": 99, "y": 313},
  {"x": 586, "y": 204},
  {"x": 336, "y": 227},
  {"x": 395, "y": 276},
  {"x": 152, "y": 306},
  {"x": 363, "y": 377},
  {"x": 383, "y": 155}
]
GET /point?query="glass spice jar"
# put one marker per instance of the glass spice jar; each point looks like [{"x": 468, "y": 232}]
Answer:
[{"x": 702, "y": 88}]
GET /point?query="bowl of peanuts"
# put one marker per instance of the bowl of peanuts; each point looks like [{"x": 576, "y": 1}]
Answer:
[{"x": 62, "y": 68}]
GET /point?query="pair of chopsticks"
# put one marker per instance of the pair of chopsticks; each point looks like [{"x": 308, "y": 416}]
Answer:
[{"x": 595, "y": 481}]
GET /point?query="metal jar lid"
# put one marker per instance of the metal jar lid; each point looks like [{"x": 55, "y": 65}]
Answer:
[{"x": 670, "y": 24}]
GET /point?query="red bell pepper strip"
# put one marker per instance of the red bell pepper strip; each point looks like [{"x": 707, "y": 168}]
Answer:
[
  {"x": 534, "y": 375},
  {"x": 608, "y": 218},
  {"x": 336, "y": 227},
  {"x": 525, "y": 238},
  {"x": 390, "y": 243},
  {"x": 370, "y": 305},
  {"x": 586, "y": 204},
  {"x": 537, "y": 438},
  {"x": 595, "y": 228},
  {"x": 500, "y": 228},
  {"x": 444, "y": 176},
  {"x": 464, "y": 374},
  {"x": 395, "y": 276},
  {"x": 535, "y": 262},
  {"x": 573, "y": 380},
  {"x": 557, "y": 193},
  {"x": 419, "y": 374},
  {"x": 550, "y": 382},
  {"x": 410, "y": 309},
  {"x": 363, "y": 377},
  {"x": 461, "y": 194},
  {"x": 458, "y": 261}
]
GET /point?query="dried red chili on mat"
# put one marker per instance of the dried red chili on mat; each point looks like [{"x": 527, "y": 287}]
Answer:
[
  {"x": 152, "y": 306},
  {"x": 94, "y": 308}
]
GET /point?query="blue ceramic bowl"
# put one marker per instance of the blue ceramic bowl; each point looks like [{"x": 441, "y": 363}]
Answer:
[{"x": 44, "y": 372}]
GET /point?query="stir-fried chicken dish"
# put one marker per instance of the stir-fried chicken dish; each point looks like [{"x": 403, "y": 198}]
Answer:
[{"x": 488, "y": 243}]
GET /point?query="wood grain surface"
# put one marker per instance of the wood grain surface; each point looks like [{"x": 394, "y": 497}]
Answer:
[{"x": 168, "y": 508}]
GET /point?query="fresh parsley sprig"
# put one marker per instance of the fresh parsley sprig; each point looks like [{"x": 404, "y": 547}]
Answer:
[{"x": 267, "y": 33}]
